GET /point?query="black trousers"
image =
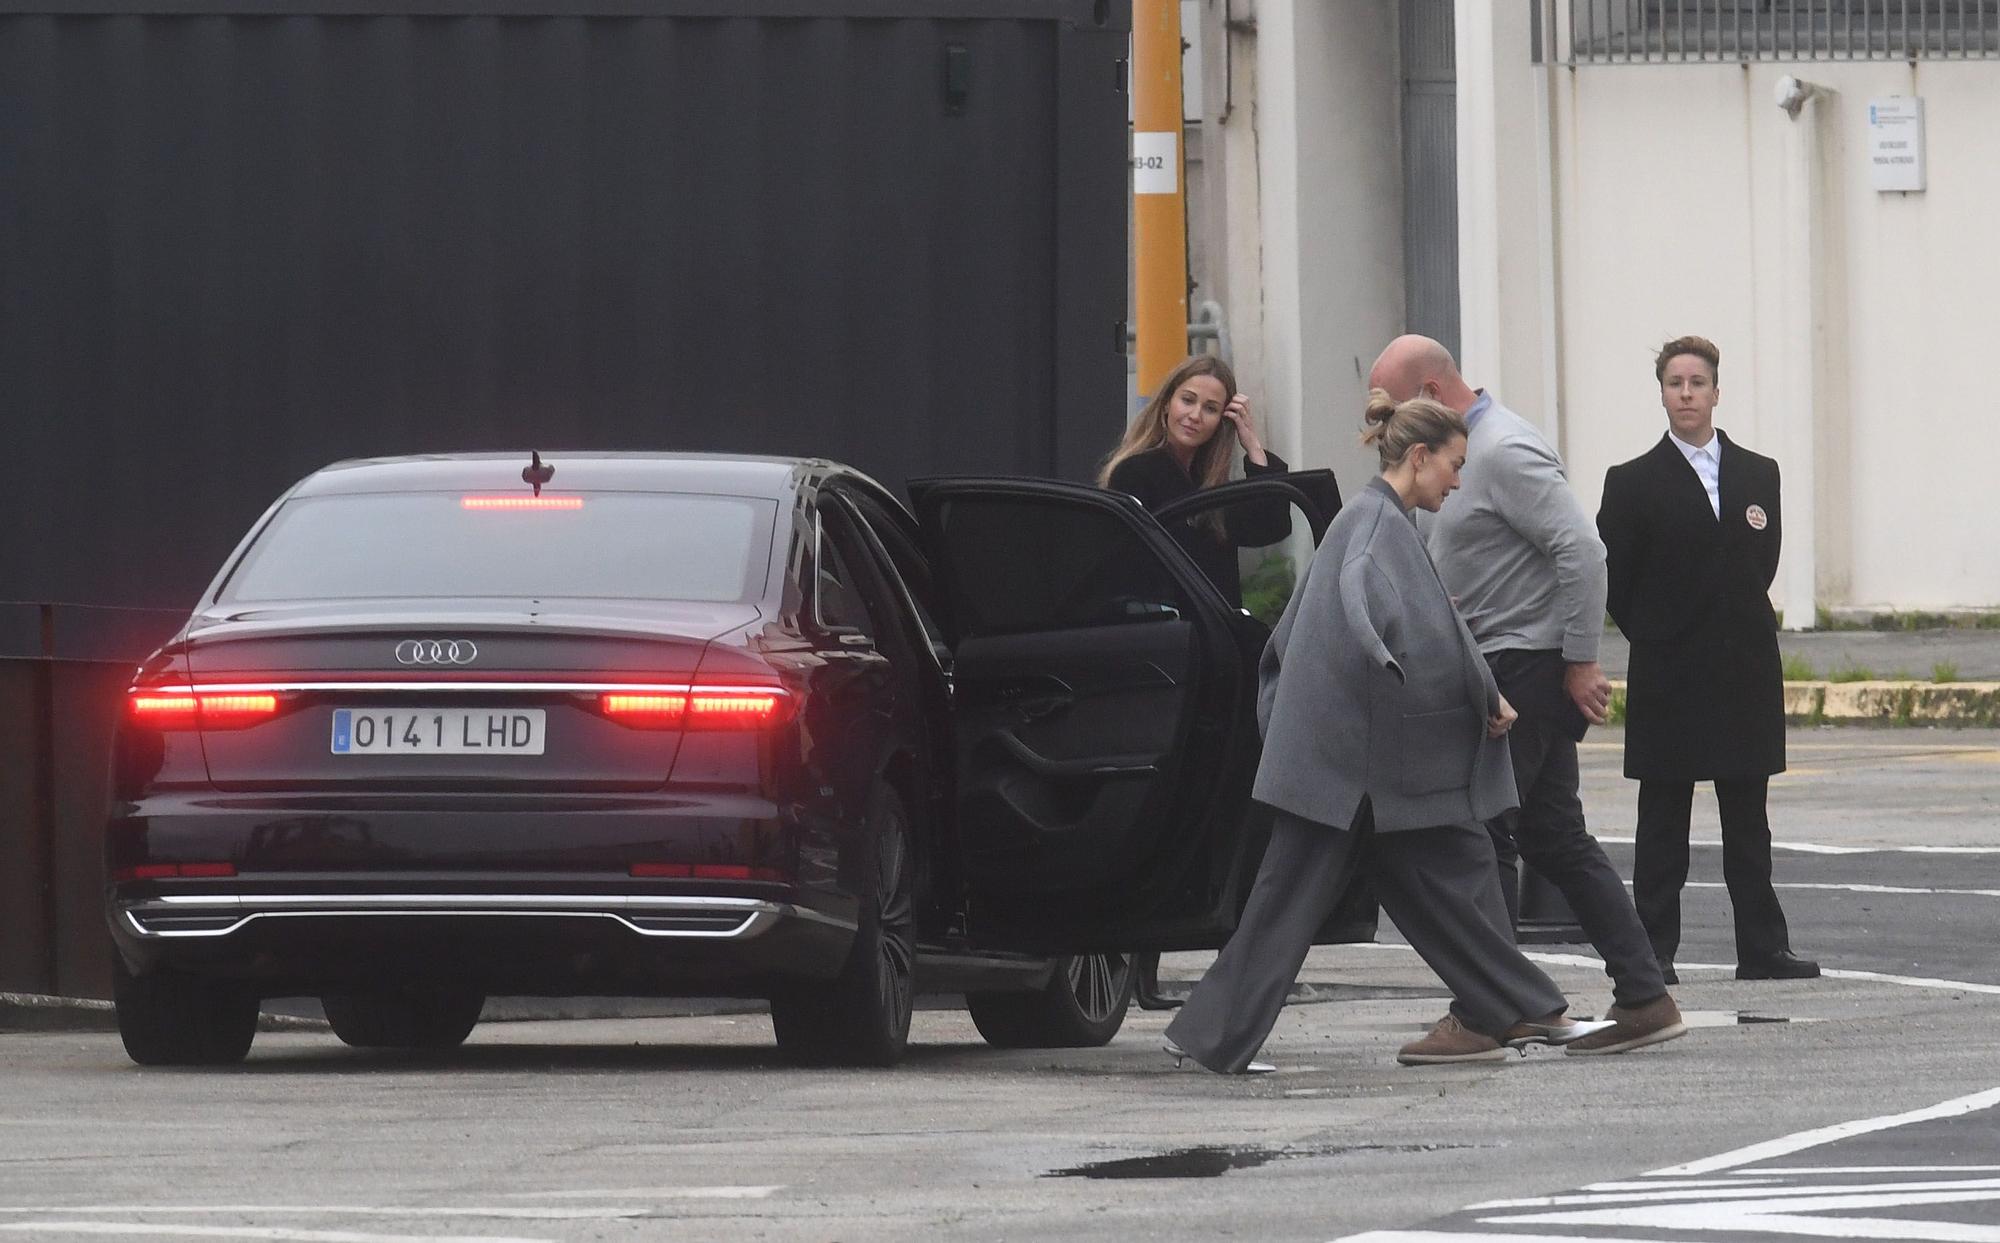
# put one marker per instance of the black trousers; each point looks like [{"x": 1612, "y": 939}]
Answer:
[
  {"x": 1660, "y": 865},
  {"x": 1548, "y": 829}
]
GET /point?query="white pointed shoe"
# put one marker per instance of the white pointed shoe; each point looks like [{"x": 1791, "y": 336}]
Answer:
[
  {"x": 1182, "y": 1057},
  {"x": 1553, "y": 1029}
]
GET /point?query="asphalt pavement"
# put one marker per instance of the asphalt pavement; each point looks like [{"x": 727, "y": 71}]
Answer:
[{"x": 1860, "y": 1105}]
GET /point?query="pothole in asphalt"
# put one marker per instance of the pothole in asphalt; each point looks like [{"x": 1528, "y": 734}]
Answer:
[{"x": 1213, "y": 1162}]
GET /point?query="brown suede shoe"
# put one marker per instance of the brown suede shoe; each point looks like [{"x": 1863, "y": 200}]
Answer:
[
  {"x": 1451, "y": 1041},
  {"x": 1655, "y": 1022}
]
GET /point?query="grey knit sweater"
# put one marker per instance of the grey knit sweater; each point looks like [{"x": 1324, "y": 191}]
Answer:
[{"x": 1515, "y": 547}]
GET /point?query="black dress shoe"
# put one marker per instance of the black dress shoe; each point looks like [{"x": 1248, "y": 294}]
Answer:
[
  {"x": 1146, "y": 988},
  {"x": 1667, "y": 973},
  {"x": 1783, "y": 965}
]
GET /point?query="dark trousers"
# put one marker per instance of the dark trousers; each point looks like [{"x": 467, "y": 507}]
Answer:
[
  {"x": 1438, "y": 885},
  {"x": 1548, "y": 829},
  {"x": 1660, "y": 865}
]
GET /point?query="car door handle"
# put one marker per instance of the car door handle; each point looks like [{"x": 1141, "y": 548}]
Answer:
[{"x": 1042, "y": 766}]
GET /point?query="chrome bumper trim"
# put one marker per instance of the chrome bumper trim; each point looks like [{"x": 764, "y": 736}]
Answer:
[{"x": 752, "y": 916}]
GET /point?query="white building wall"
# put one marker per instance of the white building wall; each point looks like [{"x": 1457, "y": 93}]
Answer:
[
  {"x": 1329, "y": 200},
  {"x": 1854, "y": 325},
  {"x": 1608, "y": 208}
]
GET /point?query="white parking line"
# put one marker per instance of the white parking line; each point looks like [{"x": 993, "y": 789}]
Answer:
[
  {"x": 1678, "y": 1199},
  {"x": 1778, "y": 1216},
  {"x": 338, "y": 1210},
  {"x": 654, "y": 1193},
  {"x": 1879, "y": 1169},
  {"x": 1555, "y": 959},
  {"x": 154, "y": 1230},
  {"x": 1468, "y": 1236},
  {"x": 1790, "y": 1144},
  {"x": 1857, "y": 888},
  {"x": 1818, "y": 848},
  {"x": 1675, "y": 1191}
]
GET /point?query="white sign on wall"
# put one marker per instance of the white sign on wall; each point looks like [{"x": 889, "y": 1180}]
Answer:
[
  {"x": 1896, "y": 143},
  {"x": 1156, "y": 162}
]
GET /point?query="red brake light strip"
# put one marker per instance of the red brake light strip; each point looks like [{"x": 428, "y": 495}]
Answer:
[
  {"x": 181, "y": 706},
  {"x": 699, "y": 708},
  {"x": 514, "y": 503}
]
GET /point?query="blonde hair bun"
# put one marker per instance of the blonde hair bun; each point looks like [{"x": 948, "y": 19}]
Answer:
[{"x": 1396, "y": 427}]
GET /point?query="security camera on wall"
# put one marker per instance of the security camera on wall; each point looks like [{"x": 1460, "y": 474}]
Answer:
[{"x": 1791, "y": 94}]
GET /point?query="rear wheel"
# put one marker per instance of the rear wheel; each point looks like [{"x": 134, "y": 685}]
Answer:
[
  {"x": 862, "y": 1018},
  {"x": 169, "y": 1019},
  {"x": 1082, "y": 1007},
  {"x": 404, "y": 1018}
]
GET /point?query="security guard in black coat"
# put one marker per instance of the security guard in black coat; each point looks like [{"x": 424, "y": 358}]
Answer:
[{"x": 1691, "y": 533}]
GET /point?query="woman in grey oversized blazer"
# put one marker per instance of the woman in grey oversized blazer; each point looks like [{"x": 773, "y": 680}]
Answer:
[{"x": 1381, "y": 717}]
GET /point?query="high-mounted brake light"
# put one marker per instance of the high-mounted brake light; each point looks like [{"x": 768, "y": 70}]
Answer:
[
  {"x": 520, "y": 502},
  {"x": 699, "y": 708},
  {"x": 189, "y": 709}
]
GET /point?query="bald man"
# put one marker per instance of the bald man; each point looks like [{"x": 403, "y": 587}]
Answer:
[{"x": 1525, "y": 564}]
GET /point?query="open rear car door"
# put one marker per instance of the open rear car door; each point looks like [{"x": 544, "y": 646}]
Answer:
[{"x": 1105, "y": 701}]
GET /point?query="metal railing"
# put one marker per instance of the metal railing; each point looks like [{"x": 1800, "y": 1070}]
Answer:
[{"x": 1616, "y": 32}]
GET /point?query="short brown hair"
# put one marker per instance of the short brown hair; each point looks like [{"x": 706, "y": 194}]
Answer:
[{"x": 1700, "y": 347}]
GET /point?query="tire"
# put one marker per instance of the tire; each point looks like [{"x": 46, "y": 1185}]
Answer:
[
  {"x": 404, "y": 1018},
  {"x": 1083, "y": 1006},
  {"x": 169, "y": 1019},
  {"x": 862, "y": 1018}
]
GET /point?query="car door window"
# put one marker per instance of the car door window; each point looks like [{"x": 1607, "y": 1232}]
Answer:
[
  {"x": 902, "y": 564},
  {"x": 1267, "y": 529},
  {"x": 1050, "y": 565},
  {"x": 838, "y": 602}
]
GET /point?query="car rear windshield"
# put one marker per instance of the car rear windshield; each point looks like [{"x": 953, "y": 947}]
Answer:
[{"x": 599, "y": 545}]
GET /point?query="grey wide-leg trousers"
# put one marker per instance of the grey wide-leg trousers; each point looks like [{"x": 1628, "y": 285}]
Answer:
[{"x": 1440, "y": 887}]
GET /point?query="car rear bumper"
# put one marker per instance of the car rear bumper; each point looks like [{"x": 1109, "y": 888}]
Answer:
[
  {"x": 525, "y": 944},
  {"x": 527, "y": 895}
]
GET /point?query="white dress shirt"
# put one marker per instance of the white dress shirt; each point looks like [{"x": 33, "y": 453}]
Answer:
[{"x": 1707, "y": 462}]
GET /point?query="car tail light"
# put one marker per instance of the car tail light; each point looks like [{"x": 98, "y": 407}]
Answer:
[
  {"x": 700, "y": 708},
  {"x": 645, "y": 710},
  {"x": 724, "y": 709},
  {"x": 206, "y": 710},
  {"x": 165, "y": 871}
]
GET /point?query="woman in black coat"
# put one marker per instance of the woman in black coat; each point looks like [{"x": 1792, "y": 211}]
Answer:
[
  {"x": 1691, "y": 534},
  {"x": 1183, "y": 441}
]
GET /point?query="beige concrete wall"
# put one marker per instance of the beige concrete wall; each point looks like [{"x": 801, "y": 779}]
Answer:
[
  {"x": 1855, "y": 325},
  {"x": 1330, "y": 191}
]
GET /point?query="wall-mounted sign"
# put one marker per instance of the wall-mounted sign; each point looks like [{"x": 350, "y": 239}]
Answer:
[
  {"x": 1156, "y": 160},
  {"x": 1896, "y": 143}
]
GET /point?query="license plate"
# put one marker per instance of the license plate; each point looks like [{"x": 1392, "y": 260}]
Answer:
[{"x": 439, "y": 731}]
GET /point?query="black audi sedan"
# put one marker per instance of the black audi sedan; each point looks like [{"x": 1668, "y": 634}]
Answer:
[{"x": 619, "y": 724}]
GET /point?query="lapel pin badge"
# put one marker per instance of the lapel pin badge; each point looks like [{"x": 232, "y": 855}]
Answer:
[{"x": 1756, "y": 517}]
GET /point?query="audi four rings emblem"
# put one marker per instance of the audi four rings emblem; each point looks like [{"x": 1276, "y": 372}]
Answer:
[{"x": 436, "y": 652}]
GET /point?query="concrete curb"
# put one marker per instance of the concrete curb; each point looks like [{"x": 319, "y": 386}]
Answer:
[{"x": 1965, "y": 704}]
